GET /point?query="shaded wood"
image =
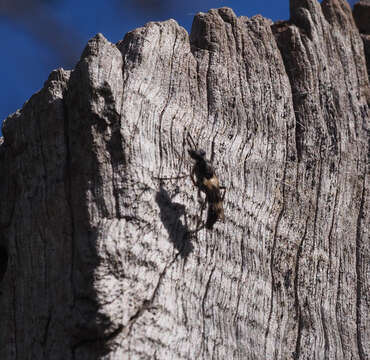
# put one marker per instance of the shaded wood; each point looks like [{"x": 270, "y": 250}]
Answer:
[{"x": 101, "y": 261}]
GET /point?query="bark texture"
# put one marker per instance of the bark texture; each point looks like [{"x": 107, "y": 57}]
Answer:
[{"x": 97, "y": 261}]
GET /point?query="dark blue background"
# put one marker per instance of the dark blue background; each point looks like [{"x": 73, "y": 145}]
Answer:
[{"x": 41, "y": 35}]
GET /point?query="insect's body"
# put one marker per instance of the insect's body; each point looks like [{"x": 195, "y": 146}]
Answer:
[
  {"x": 204, "y": 178},
  {"x": 207, "y": 182},
  {"x": 215, "y": 212}
]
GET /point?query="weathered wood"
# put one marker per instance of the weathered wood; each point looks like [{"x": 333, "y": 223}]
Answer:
[{"x": 100, "y": 261}]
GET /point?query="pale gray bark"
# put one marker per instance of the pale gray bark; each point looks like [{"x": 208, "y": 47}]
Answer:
[{"x": 100, "y": 263}]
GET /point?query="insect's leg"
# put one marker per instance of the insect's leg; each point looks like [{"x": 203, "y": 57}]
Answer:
[
  {"x": 190, "y": 141},
  {"x": 200, "y": 227},
  {"x": 201, "y": 212},
  {"x": 199, "y": 220},
  {"x": 182, "y": 154},
  {"x": 224, "y": 189},
  {"x": 192, "y": 177},
  {"x": 181, "y": 157},
  {"x": 170, "y": 178}
]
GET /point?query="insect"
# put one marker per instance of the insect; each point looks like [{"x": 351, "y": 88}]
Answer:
[{"x": 204, "y": 178}]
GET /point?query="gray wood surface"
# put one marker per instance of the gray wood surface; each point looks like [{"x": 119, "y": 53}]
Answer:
[{"x": 97, "y": 258}]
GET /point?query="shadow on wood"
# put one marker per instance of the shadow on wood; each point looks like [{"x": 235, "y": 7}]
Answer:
[{"x": 170, "y": 214}]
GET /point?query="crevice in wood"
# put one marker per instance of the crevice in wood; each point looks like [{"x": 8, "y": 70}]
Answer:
[
  {"x": 360, "y": 281},
  {"x": 325, "y": 330},
  {"x": 204, "y": 297},
  {"x": 337, "y": 306},
  {"x": 283, "y": 36},
  {"x": 318, "y": 194},
  {"x": 297, "y": 304},
  {"x": 279, "y": 217},
  {"x": 68, "y": 192}
]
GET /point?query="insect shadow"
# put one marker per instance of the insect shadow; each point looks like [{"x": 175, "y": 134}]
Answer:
[{"x": 170, "y": 215}]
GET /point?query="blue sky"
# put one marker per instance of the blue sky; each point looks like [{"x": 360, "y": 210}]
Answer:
[{"x": 41, "y": 35}]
